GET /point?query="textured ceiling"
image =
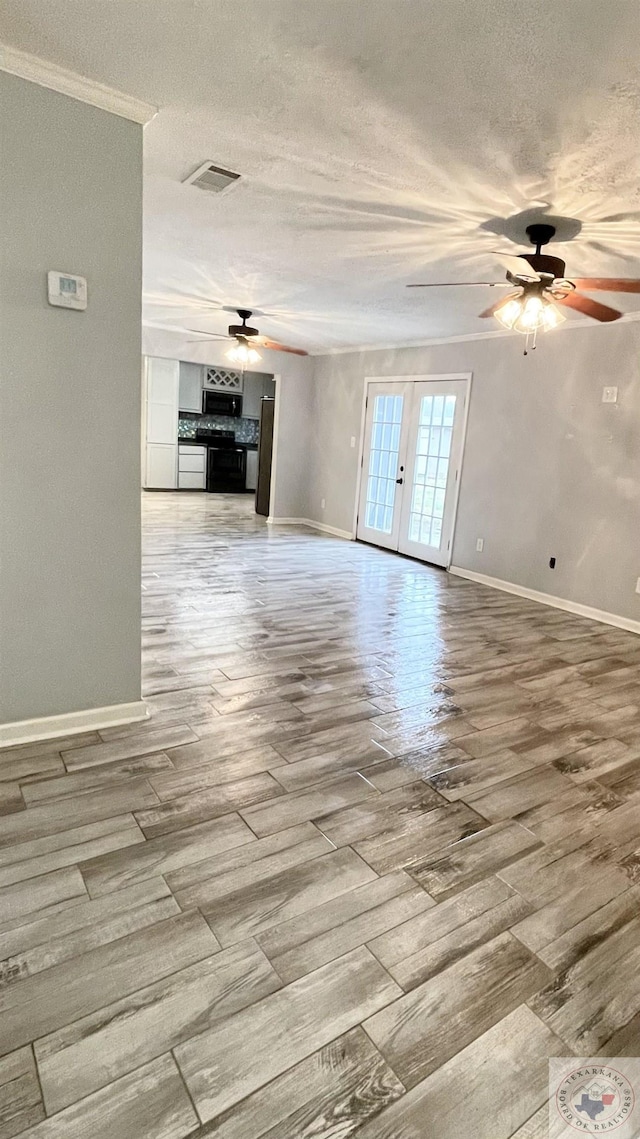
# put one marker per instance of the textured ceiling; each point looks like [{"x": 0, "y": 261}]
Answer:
[{"x": 380, "y": 142}]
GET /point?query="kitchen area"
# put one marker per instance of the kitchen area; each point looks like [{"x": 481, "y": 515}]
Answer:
[{"x": 207, "y": 428}]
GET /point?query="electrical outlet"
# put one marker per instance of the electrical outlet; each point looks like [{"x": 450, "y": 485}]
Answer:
[
  {"x": 480, "y": 545},
  {"x": 323, "y": 503},
  {"x": 609, "y": 395},
  {"x": 353, "y": 440},
  {"x": 638, "y": 585}
]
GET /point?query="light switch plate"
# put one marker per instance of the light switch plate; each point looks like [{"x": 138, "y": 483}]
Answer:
[
  {"x": 66, "y": 290},
  {"x": 638, "y": 585},
  {"x": 480, "y": 545},
  {"x": 609, "y": 395}
]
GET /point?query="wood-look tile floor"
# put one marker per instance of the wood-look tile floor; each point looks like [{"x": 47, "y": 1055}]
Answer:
[{"x": 374, "y": 858}]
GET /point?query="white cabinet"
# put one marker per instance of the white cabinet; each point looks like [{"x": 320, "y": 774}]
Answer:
[
  {"x": 188, "y": 480},
  {"x": 162, "y": 424},
  {"x": 190, "y": 387},
  {"x": 251, "y": 396},
  {"x": 162, "y": 400},
  {"x": 192, "y": 467},
  {"x": 222, "y": 380},
  {"x": 160, "y": 466},
  {"x": 162, "y": 383},
  {"x": 189, "y": 462},
  {"x": 160, "y": 419},
  {"x": 257, "y": 385}
]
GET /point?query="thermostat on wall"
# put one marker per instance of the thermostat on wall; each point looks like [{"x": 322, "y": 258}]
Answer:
[{"x": 67, "y": 290}]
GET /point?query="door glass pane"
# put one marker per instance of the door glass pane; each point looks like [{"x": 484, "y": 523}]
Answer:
[
  {"x": 383, "y": 462},
  {"x": 431, "y": 469}
]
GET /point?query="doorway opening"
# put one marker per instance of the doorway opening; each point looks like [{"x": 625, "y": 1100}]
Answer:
[
  {"x": 208, "y": 428},
  {"x": 411, "y": 462}
]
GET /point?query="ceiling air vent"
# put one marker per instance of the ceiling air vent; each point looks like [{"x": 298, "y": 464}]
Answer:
[{"x": 212, "y": 178}]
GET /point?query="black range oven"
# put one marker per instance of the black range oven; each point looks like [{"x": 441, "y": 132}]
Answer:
[
  {"x": 226, "y": 461},
  {"x": 221, "y": 403}
]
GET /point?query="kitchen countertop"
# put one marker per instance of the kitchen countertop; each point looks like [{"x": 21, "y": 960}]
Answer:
[{"x": 198, "y": 443}]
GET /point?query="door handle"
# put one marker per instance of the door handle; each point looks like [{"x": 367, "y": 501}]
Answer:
[{"x": 400, "y": 481}]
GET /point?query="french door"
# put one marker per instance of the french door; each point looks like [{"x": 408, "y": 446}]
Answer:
[{"x": 410, "y": 466}]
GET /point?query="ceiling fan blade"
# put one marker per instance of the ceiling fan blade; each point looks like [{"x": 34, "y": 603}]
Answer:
[
  {"x": 517, "y": 266},
  {"x": 208, "y": 335},
  {"x": 589, "y": 307},
  {"x": 608, "y": 284},
  {"x": 460, "y": 284},
  {"x": 498, "y": 304},
  {"x": 264, "y": 342}
]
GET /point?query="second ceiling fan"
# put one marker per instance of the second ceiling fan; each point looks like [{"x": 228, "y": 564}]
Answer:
[{"x": 246, "y": 338}]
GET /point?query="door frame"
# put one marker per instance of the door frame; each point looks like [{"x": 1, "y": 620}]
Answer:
[{"x": 435, "y": 378}]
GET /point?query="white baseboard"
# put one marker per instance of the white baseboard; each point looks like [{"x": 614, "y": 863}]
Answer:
[
  {"x": 548, "y": 599},
  {"x": 69, "y": 723},
  {"x": 314, "y": 526}
]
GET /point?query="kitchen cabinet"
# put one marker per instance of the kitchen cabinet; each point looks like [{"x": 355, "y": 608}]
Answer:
[
  {"x": 160, "y": 420},
  {"x": 256, "y": 387},
  {"x": 190, "y": 387},
  {"x": 161, "y": 423},
  {"x": 223, "y": 380},
  {"x": 192, "y": 467},
  {"x": 160, "y": 473}
]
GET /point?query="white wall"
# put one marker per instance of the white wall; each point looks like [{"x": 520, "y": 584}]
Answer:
[
  {"x": 70, "y": 199},
  {"x": 548, "y": 469},
  {"x": 293, "y": 403}
]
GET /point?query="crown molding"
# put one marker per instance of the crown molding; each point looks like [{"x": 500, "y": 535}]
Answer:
[
  {"x": 158, "y": 324},
  {"x": 462, "y": 338},
  {"x": 47, "y": 74},
  {"x": 433, "y": 342}
]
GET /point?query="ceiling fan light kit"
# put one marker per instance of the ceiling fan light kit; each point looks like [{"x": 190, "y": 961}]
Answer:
[
  {"x": 242, "y": 353},
  {"x": 543, "y": 286},
  {"x": 529, "y": 314}
]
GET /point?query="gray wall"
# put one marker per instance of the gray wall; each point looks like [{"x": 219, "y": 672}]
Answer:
[
  {"x": 293, "y": 395},
  {"x": 548, "y": 469},
  {"x": 70, "y": 199}
]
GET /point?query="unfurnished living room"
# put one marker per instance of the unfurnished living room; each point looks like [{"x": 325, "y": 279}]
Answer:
[{"x": 320, "y": 569}]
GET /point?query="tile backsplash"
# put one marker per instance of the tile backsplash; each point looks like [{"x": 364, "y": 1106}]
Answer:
[{"x": 245, "y": 430}]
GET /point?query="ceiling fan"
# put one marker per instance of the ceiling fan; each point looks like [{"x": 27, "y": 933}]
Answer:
[
  {"x": 542, "y": 285},
  {"x": 245, "y": 338}
]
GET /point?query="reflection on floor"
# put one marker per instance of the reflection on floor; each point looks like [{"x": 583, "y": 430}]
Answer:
[{"x": 370, "y": 863}]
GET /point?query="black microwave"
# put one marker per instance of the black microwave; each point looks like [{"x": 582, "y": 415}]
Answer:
[{"x": 221, "y": 403}]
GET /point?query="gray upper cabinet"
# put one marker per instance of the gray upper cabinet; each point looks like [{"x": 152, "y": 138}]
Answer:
[
  {"x": 190, "y": 388},
  {"x": 256, "y": 385},
  {"x": 251, "y": 396}
]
